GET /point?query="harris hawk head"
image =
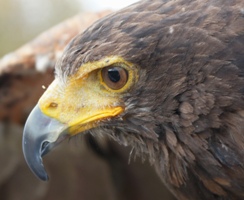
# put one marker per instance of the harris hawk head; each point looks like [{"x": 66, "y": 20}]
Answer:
[{"x": 164, "y": 76}]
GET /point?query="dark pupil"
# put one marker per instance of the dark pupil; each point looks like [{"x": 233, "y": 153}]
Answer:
[{"x": 114, "y": 75}]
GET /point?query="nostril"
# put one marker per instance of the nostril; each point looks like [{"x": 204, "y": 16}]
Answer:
[{"x": 53, "y": 105}]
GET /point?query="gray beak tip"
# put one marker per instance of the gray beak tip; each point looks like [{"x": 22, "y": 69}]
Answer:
[
  {"x": 34, "y": 160},
  {"x": 41, "y": 134}
]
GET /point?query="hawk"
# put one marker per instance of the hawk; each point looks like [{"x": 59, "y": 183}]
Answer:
[{"x": 164, "y": 76}]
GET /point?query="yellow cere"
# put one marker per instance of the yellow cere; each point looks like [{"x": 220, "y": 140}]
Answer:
[{"x": 85, "y": 100}]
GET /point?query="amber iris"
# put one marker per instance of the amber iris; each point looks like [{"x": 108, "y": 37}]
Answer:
[{"x": 115, "y": 77}]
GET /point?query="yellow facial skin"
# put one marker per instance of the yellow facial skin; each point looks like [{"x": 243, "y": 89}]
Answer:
[{"x": 85, "y": 99}]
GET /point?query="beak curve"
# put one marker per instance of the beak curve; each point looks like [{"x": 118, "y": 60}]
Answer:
[{"x": 41, "y": 134}]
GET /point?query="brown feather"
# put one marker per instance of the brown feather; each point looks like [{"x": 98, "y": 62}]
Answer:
[{"x": 189, "y": 94}]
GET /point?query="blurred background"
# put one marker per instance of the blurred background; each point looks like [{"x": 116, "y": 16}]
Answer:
[
  {"x": 82, "y": 168},
  {"x": 22, "y": 20}
]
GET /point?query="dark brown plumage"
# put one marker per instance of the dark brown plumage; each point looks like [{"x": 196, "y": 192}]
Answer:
[{"x": 186, "y": 111}]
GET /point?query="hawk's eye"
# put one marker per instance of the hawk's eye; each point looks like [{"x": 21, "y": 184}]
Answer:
[{"x": 115, "y": 77}]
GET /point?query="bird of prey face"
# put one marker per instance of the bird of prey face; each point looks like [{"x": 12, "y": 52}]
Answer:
[{"x": 165, "y": 76}]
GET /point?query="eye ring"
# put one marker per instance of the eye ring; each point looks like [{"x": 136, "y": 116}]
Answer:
[{"x": 115, "y": 77}]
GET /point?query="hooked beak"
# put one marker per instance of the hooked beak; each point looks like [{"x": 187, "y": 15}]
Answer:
[
  {"x": 41, "y": 134},
  {"x": 69, "y": 108}
]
